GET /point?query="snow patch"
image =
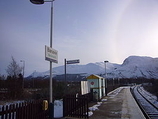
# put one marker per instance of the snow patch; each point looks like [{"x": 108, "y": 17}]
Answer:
[
  {"x": 116, "y": 91},
  {"x": 90, "y": 113},
  {"x": 104, "y": 100},
  {"x": 93, "y": 108}
]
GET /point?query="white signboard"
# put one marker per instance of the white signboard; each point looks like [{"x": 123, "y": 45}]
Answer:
[{"x": 51, "y": 54}]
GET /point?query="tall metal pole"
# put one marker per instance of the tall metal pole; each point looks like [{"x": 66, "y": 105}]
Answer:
[
  {"x": 51, "y": 106},
  {"x": 23, "y": 66},
  {"x": 113, "y": 83},
  {"x": 51, "y": 38},
  {"x": 51, "y": 113},
  {"x": 65, "y": 88},
  {"x": 65, "y": 69},
  {"x": 106, "y": 82},
  {"x": 23, "y": 72}
]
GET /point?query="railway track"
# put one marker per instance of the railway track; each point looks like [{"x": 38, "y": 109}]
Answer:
[{"x": 149, "y": 109}]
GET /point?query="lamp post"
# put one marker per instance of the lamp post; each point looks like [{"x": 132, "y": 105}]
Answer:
[
  {"x": 105, "y": 79},
  {"x": 51, "y": 105},
  {"x": 23, "y": 69}
]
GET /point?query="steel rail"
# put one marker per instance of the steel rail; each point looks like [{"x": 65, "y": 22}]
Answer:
[{"x": 143, "y": 107}]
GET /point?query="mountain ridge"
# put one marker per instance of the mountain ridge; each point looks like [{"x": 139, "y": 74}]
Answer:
[{"x": 132, "y": 67}]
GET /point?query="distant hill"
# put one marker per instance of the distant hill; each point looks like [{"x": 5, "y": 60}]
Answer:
[{"x": 132, "y": 67}]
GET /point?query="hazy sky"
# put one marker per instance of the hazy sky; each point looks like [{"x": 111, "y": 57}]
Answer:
[{"x": 89, "y": 30}]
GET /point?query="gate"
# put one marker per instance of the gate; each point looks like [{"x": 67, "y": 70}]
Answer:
[
  {"x": 76, "y": 106},
  {"x": 27, "y": 110}
]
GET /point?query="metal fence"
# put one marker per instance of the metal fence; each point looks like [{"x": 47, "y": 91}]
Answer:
[
  {"x": 26, "y": 110},
  {"x": 76, "y": 106}
]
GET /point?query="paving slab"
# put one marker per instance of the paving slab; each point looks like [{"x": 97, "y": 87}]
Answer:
[{"x": 119, "y": 106}]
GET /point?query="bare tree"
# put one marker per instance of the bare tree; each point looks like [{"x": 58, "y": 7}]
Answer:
[{"x": 13, "y": 68}]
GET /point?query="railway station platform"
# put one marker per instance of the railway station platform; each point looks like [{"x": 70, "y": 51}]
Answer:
[{"x": 120, "y": 105}]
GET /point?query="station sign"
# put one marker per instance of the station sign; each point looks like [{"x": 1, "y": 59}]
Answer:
[
  {"x": 51, "y": 54},
  {"x": 73, "y": 61}
]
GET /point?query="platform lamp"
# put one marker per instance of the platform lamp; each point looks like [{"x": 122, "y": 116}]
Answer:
[
  {"x": 51, "y": 105},
  {"x": 23, "y": 69},
  {"x": 106, "y": 82}
]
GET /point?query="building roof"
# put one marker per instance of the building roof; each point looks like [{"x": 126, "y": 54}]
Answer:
[{"x": 93, "y": 76}]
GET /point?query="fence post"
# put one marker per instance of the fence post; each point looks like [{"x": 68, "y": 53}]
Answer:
[
  {"x": 2, "y": 112},
  {"x": 63, "y": 106}
]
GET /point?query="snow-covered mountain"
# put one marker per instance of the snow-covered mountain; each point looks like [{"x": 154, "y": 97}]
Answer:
[
  {"x": 132, "y": 67},
  {"x": 136, "y": 66}
]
